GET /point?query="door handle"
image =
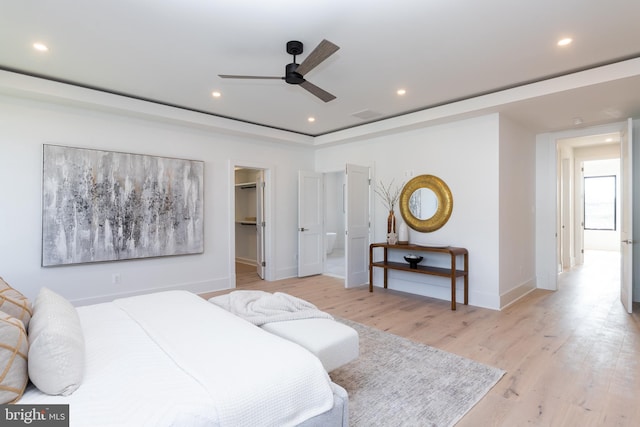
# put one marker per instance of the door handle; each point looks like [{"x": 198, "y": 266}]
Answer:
[
  {"x": 628, "y": 241},
  {"x": 304, "y": 229}
]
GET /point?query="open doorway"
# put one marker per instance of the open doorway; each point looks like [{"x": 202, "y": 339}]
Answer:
[
  {"x": 556, "y": 224},
  {"x": 599, "y": 214},
  {"x": 249, "y": 223},
  {"x": 352, "y": 198},
  {"x": 334, "y": 204},
  {"x": 589, "y": 207},
  {"x": 588, "y": 211},
  {"x": 555, "y": 166}
]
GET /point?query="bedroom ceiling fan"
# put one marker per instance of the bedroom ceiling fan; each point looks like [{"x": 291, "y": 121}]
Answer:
[{"x": 294, "y": 73}]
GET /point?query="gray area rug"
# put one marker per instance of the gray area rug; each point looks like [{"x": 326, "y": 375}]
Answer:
[{"x": 398, "y": 382}]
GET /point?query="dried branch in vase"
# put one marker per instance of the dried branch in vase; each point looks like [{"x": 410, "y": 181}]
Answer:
[{"x": 388, "y": 193}]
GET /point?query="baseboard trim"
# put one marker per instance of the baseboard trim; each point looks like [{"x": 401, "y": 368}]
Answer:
[{"x": 516, "y": 293}]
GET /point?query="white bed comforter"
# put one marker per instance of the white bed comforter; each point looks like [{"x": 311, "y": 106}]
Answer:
[
  {"x": 260, "y": 307},
  {"x": 174, "y": 359}
]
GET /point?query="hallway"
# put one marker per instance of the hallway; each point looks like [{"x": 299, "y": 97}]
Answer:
[{"x": 596, "y": 282}]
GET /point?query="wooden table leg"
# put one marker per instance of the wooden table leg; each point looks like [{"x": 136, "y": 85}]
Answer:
[
  {"x": 370, "y": 268},
  {"x": 453, "y": 282},
  {"x": 386, "y": 270},
  {"x": 466, "y": 279}
]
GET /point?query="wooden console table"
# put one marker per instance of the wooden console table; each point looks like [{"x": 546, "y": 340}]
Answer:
[{"x": 451, "y": 272}]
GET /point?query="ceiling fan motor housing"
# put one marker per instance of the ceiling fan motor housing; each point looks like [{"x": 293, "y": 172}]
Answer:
[{"x": 291, "y": 76}]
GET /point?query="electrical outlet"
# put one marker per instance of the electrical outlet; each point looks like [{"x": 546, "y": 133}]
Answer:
[{"x": 115, "y": 278}]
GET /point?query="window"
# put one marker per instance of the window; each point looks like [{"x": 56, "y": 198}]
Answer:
[{"x": 600, "y": 202}]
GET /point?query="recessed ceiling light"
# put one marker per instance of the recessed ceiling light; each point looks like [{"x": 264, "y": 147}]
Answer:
[
  {"x": 311, "y": 119},
  {"x": 608, "y": 140},
  {"x": 578, "y": 121},
  {"x": 216, "y": 94},
  {"x": 401, "y": 92},
  {"x": 40, "y": 47},
  {"x": 565, "y": 41}
]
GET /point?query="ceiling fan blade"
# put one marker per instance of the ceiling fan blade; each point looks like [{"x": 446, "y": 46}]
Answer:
[
  {"x": 324, "y": 50},
  {"x": 232, "y": 76},
  {"x": 320, "y": 93}
]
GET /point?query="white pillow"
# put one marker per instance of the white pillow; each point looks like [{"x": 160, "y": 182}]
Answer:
[{"x": 56, "y": 345}]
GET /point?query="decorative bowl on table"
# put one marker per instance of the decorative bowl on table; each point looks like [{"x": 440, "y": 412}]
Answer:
[{"x": 413, "y": 260}]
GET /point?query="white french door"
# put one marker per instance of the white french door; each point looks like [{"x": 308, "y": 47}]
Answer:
[
  {"x": 357, "y": 225},
  {"x": 310, "y": 224}
]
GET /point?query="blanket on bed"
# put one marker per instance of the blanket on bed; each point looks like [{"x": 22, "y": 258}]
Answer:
[
  {"x": 285, "y": 385},
  {"x": 260, "y": 307}
]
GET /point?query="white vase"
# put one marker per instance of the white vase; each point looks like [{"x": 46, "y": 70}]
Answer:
[{"x": 403, "y": 234}]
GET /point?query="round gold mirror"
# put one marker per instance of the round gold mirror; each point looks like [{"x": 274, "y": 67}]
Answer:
[{"x": 426, "y": 203}]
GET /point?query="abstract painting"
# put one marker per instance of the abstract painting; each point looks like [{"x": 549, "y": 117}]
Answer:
[{"x": 107, "y": 206}]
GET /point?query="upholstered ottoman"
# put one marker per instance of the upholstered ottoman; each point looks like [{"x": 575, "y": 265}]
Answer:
[
  {"x": 334, "y": 343},
  {"x": 296, "y": 320}
]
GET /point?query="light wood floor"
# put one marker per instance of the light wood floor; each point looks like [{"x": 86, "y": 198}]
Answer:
[{"x": 572, "y": 357}]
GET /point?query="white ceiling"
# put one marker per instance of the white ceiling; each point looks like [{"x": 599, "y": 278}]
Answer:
[{"x": 440, "y": 51}]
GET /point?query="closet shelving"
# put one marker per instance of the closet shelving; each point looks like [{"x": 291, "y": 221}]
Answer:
[{"x": 245, "y": 197}]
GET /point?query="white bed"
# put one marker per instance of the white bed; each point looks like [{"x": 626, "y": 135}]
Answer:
[{"x": 174, "y": 359}]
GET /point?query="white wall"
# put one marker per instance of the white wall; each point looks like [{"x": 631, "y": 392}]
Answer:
[
  {"x": 546, "y": 211},
  {"x": 471, "y": 155},
  {"x": 26, "y": 124},
  {"x": 517, "y": 211},
  {"x": 465, "y": 155}
]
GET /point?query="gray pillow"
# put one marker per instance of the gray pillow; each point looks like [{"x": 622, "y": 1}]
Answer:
[
  {"x": 14, "y": 303},
  {"x": 56, "y": 345},
  {"x": 13, "y": 358}
]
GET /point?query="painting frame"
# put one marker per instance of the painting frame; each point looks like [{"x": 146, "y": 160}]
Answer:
[{"x": 103, "y": 206}]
